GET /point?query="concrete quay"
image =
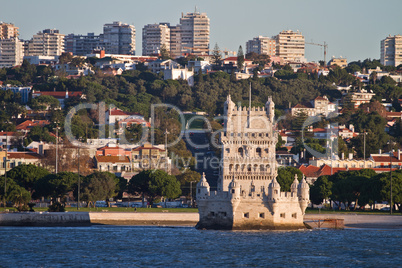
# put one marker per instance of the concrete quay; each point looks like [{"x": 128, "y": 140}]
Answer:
[{"x": 171, "y": 219}]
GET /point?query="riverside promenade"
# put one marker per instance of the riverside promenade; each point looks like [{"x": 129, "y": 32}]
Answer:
[{"x": 173, "y": 219}]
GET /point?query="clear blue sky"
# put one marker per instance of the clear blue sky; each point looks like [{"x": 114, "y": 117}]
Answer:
[{"x": 352, "y": 28}]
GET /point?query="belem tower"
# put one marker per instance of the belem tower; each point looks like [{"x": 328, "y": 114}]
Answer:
[{"x": 248, "y": 195}]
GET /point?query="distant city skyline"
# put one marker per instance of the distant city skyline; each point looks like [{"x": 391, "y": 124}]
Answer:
[{"x": 352, "y": 29}]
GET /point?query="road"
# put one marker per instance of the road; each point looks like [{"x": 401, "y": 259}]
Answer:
[{"x": 206, "y": 161}]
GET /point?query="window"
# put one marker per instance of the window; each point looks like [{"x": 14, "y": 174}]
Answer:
[
  {"x": 233, "y": 191},
  {"x": 262, "y": 215},
  {"x": 258, "y": 151},
  {"x": 246, "y": 215},
  {"x": 294, "y": 215},
  {"x": 282, "y": 215}
]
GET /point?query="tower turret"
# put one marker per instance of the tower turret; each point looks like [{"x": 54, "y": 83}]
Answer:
[
  {"x": 234, "y": 189},
  {"x": 303, "y": 193},
  {"x": 270, "y": 109},
  {"x": 202, "y": 187},
  {"x": 274, "y": 189},
  {"x": 229, "y": 105}
]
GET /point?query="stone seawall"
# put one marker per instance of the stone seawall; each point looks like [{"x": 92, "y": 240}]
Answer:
[
  {"x": 45, "y": 219},
  {"x": 85, "y": 218}
]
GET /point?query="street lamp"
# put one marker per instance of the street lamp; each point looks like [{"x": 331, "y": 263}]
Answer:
[
  {"x": 191, "y": 193},
  {"x": 57, "y": 147},
  {"x": 79, "y": 179},
  {"x": 5, "y": 173},
  {"x": 166, "y": 152},
  {"x": 391, "y": 154}
]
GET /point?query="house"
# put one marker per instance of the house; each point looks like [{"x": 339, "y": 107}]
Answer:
[
  {"x": 74, "y": 70},
  {"x": 113, "y": 115},
  {"x": 61, "y": 96},
  {"x": 176, "y": 74},
  {"x": 112, "y": 150},
  {"x": 8, "y": 138},
  {"x": 112, "y": 164},
  {"x": 15, "y": 159},
  {"x": 384, "y": 160},
  {"x": 318, "y": 106},
  {"x": 197, "y": 65},
  {"x": 160, "y": 65},
  {"x": 27, "y": 125},
  {"x": 359, "y": 97},
  {"x": 150, "y": 157}
]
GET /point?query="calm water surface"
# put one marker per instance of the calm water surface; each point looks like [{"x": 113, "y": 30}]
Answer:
[{"x": 130, "y": 246}]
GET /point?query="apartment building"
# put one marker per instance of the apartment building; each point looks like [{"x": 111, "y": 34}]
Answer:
[
  {"x": 81, "y": 45},
  {"x": 194, "y": 31},
  {"x": 175, "y": 41},
  {"x": 290, "y": 46},
  {"x": 261, "y": 45},
  {"x": 154, "y": 36},
  {"x": 49, "y": 42},
  {"x": 341, "y": 62},
  {"x": 8, "y": 30},
  {"x": 118, "y": 38},
  {"x": 391, "y": 51},
  {"x": 11, "y": 52}
]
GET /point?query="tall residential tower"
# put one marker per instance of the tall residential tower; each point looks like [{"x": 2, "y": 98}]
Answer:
[
  {"x": 154, "y": 36},
  {"x": 118, "y": 38},
  {"x": 391, "y": 51}
]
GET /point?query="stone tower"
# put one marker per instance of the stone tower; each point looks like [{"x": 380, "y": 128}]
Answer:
[{"x": 248, "y": 195}]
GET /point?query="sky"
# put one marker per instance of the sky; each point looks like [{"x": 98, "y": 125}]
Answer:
[{"x": 352, "y": 29}]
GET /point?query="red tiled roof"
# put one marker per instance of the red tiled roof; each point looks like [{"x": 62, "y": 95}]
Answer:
[
  {"x": 30, "y": 124},
  {"x": 23, "y": 155},
  {"x": 112, "y": 159},
  {"x": 320, "y": 98},
  {"x": 107, "y": 147},
  {"x": 147, "y": 148},
  {"x": 309, "y": 171},
  {"x": 116, "y": 111},
  {"x": 386, "y": 158},
  {"x": 8, "y": 133}
]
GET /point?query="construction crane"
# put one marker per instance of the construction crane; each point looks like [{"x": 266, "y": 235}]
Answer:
[{"x": 325, "y": 45}]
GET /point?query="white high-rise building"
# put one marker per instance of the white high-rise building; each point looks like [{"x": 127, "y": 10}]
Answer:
[
  {"x": 290, "y": 46},
  {"x": 118, "y": 38},
  {"x": 49, "y": 42},
  {"x": 391, "y": 51},
  {"x": 194, "y": 30},
  {"x": 154, "y": 36},
  {"x": 261, "y": 45},
  {"x": 8, "y": 30},
  {"x": 11, "y": 52}
]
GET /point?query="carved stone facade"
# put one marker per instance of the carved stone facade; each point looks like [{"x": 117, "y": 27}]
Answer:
[{"x": 248, "y": 195}]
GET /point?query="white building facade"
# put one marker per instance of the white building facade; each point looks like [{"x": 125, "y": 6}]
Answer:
[
  {"x": 290, "y": 46},
  {"x": 391, "y": 51},
  {"x": 118, "y": 38},
  {"x": 154, "y": 37}
]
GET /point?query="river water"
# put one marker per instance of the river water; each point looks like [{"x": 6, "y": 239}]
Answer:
[{"x": 134, "y": 246}]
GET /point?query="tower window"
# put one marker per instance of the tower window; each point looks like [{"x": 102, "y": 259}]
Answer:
[
  {"x": 282, "y": 215},
  {"x": 262, "y": 215},
  {"x": 246, "y": 215}
]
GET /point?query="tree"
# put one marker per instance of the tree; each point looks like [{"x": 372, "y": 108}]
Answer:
[
  {"x": 153, "y": 184},
  {"x": 320, "y": 190},
  {"x": 56, "y": 185},
  {"x": 240, "y": 59},
  {"x": 186, "y": 178},
  {"x": 384, "y": 179},
  {"x": 216, "y": 56},
  {"x": 19, "y": 196},
  {"x": 286, "y": 176},
  {"x": 164, "y": 52},
  {"x": 99, "y": 186},
  {"x": 27, "y": 175}
]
